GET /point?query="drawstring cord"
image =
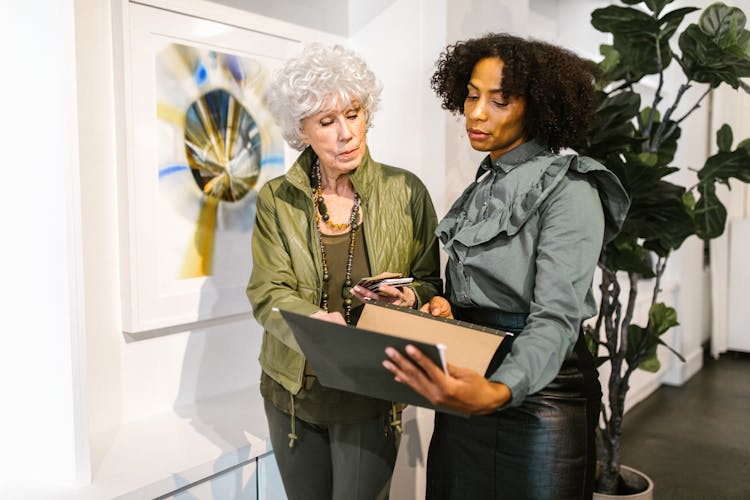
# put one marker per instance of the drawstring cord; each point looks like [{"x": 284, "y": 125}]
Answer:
[{"x": 292, "y": 435}]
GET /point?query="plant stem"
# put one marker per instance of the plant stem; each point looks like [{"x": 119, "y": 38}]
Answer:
[
  {"x": 610, "y": 306},
  {"x": 659, "y": 136},
  {"x": 661, "y": 264},
  {"x": 632, "y": 294},
  {"x": 695, "y": 106},
  {"x": 618, "y": 384},
  {"x": 657, "y": 99}
]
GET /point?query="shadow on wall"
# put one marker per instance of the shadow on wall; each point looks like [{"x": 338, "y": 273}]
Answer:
[{"x": 220, "y": 372}]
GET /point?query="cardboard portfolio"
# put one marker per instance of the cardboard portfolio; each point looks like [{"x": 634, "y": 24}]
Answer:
[{"x": 350, "y": 358}]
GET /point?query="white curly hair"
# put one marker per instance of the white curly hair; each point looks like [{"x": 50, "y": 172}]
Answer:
[{"x": 316, "y": 80}]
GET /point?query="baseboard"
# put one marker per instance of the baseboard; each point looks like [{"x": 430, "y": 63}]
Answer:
[
  {"x": 642, "y": 391},
  {"x": 679, "y": 372}
]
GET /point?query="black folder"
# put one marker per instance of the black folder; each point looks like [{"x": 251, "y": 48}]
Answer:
[{"x": 350, "y": 358}]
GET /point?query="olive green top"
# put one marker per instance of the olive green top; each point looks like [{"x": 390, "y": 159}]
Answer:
[
  {"x": 315, "y": 403},
  {"x": 525, "y": 237}
]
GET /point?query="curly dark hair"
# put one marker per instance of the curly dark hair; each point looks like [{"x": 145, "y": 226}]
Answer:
[{"x": 557, "y": 84}]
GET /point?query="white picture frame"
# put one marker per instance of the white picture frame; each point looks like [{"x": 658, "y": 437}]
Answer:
[{"x": 155, "y": 221}]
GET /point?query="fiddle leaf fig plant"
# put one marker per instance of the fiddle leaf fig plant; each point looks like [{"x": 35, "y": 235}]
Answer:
[{"x": 636, "y": 134}]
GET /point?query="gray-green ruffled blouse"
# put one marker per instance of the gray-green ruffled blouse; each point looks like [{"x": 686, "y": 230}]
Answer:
[{"x": 526, "y": 237}]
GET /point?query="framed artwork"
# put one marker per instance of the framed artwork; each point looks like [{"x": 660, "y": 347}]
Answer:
[{"x": 196, "y": 145}]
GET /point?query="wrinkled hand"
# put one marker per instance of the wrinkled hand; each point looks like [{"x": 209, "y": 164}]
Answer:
[
  {"x": 438, "y": 306},
  {"x": 398, "y": 296},
  {"x": 461, "y": 389},
  {"x": 334, "y": 317}
]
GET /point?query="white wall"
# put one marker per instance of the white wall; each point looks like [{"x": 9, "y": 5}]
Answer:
[
  {"x": 129, "y": 381},
  {"x": 99, "y": 211},
  {"x": 401, "y": 44},
  {"x": 42, "y": 357},
  {"x": 331, "y": 16}
]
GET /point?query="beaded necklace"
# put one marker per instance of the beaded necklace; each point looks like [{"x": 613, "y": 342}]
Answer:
[{"x": 322, "y": 214}]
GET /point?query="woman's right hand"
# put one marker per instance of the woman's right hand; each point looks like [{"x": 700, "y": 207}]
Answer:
[
  {"x": 334, "y": 317},
  {"x": 438, "y": 306}
]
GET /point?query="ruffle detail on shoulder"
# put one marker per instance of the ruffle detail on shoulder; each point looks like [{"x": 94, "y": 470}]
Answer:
[
  {"x": 511, "y": 217},
  {"x": 615, "y": 200}
]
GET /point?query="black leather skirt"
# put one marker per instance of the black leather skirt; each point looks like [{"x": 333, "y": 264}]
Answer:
[{"x": 542, "y": 449}]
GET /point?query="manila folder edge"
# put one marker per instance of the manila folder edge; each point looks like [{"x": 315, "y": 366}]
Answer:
[{"x": 466, "y": 345}]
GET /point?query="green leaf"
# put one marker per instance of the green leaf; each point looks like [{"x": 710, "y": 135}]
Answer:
[
  {"x": 650, "y": 361},
  {"x": 611, "y": 58},
  {"x": 689, "y": 201},
  {"x": 673, "y": 19},
  {"x": 638, "y": 56},
  {"x": 635, "y": 38},
  {"x": 657, "y": 213},
  {"x": 643, "y": 342},
  {"x": 657, "y": 6},
  {"x": 661, "y": 318},
  {"x": 623, "y": 20},
  {"x": 722, "y": 23},
  {"x": 726, "y": 165},
  {"x": 611, "y": 130},
  {"x": 743, "y": 43},
  {"x": 668, "y": 146},
  {"x": 641, "y": 349},
  {"x": 625, "y": 254},
  {"x": 745, "y": 144},
  {"x": 703, "y": 60},
  {"x": 710, "y": 214},
  {"x": 647, "y": 158},
  {"x": 724, "y": 138}
]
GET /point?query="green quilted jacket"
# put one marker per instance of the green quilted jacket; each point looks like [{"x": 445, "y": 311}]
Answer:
[{"x": 399, "y": 224}]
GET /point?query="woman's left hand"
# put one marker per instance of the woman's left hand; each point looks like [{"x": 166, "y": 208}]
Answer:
[
  {"x": 398, "y": 296},
  {"x": 461, "y": 389}
]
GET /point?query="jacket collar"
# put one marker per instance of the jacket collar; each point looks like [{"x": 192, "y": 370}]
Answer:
[
  {"x": 510, "y": 160},
  {"x": 363, "y": 177}
]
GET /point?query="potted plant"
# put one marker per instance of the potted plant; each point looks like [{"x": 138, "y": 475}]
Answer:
[{"x": 636, "y": 137}]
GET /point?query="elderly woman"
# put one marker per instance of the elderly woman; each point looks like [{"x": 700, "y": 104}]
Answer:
[
  {"x": 335, "y": 217},
  {"x": 523, "y": 241}
]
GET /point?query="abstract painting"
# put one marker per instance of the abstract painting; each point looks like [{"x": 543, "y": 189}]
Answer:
[
  {"x": 217, "y": 145},
  {"x": 196, "y": 144}
]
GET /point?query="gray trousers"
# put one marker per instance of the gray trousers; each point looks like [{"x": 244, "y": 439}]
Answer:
[{"x": 352, "y": 461}]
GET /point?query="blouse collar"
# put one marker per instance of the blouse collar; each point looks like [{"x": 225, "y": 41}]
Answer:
[{"x": 516, "y": 156}]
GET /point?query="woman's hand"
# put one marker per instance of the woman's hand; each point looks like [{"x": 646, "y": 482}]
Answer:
[
  {"x": 334, "y": 317},
  {"x": 438, "y": 306},
  {"x": 461, "y": 389},
  {"x": 398, "y": 296}
]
